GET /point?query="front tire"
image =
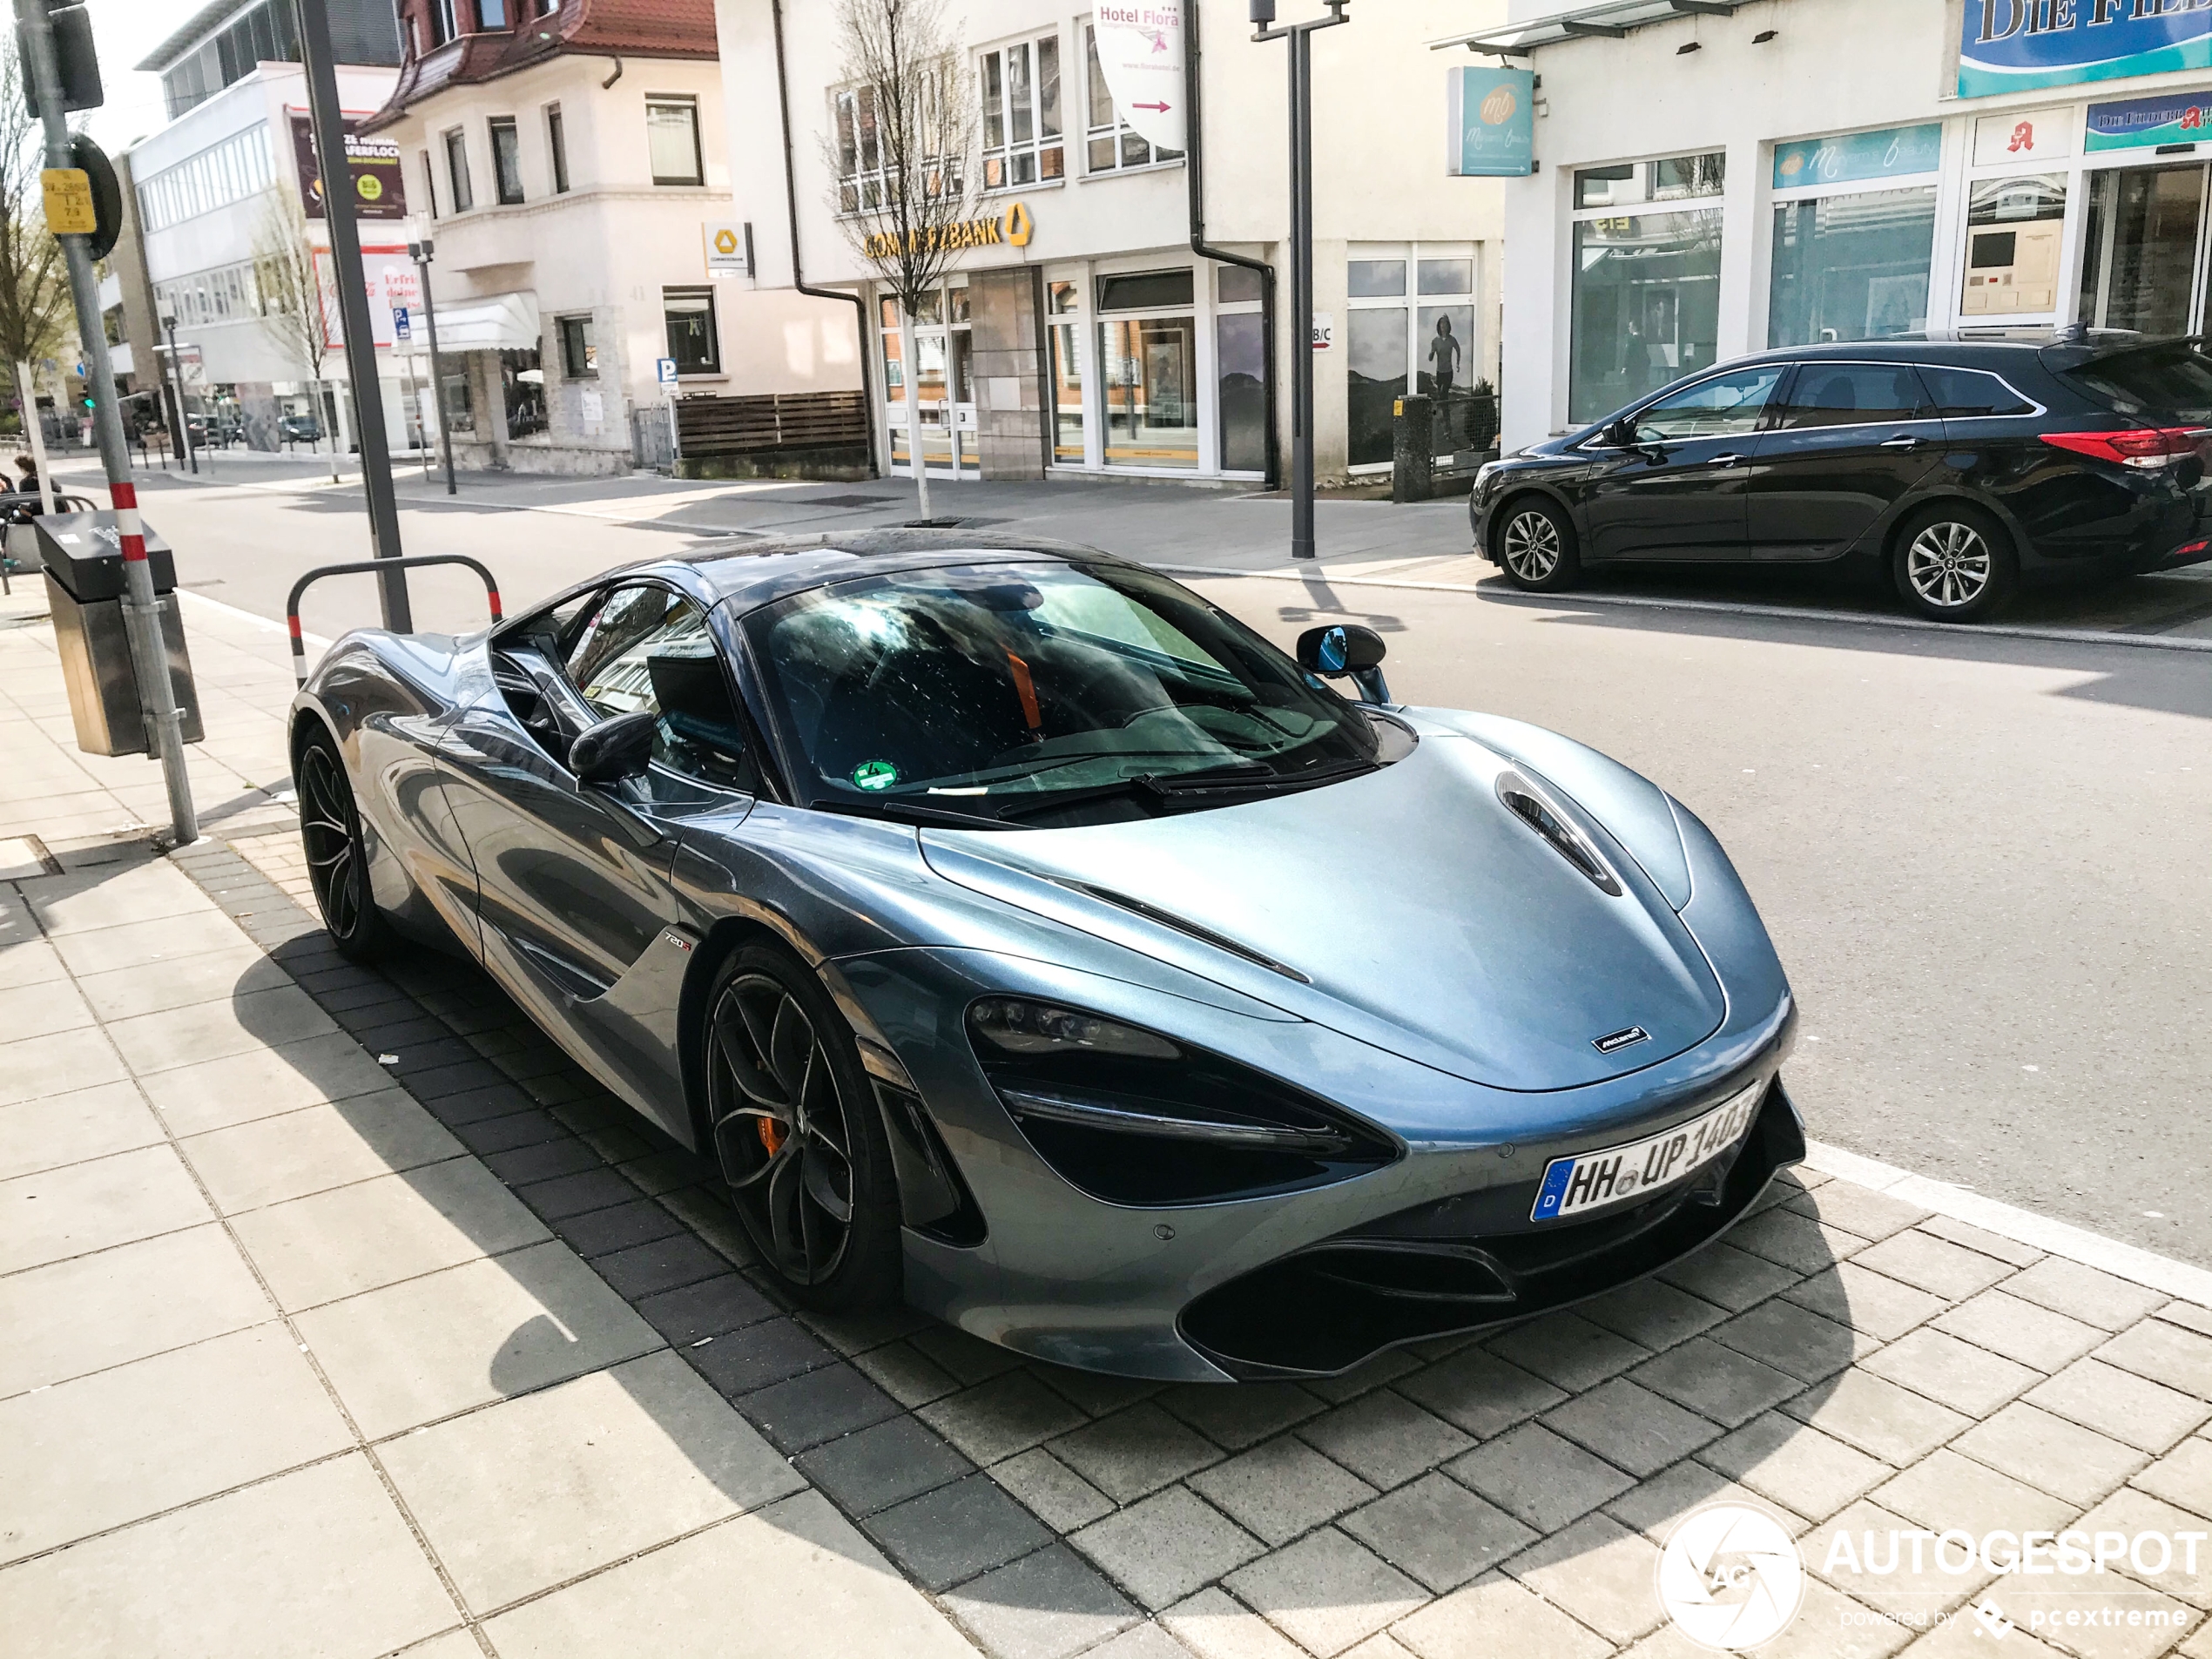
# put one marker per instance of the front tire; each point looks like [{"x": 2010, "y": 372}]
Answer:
[
  {"x": 1954, "y": 562},
  {"x": 330, "y": 832},
  {"x": 1534, "y": 545},
  {"x": 797, "y": 1136}
]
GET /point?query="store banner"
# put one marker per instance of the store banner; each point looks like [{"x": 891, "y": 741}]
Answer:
[
  {"x": 1492, "y": 115},
  {"x": 2145, "y": 123},
  {"x": 380, "y": 190},
  {"x": 2014, "y": 45},
  {"x": 1891, "y": 152},
  {"x": 1140, "y": 49}
]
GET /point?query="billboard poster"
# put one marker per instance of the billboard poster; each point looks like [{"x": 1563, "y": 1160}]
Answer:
[
  {"x": 380, "y": 191},
  {"x": 1492, "y": 115},
  {"x": 2015, "y": 45}
]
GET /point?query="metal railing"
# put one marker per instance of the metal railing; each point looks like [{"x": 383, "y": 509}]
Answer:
[{"x": 374, "y": 567}]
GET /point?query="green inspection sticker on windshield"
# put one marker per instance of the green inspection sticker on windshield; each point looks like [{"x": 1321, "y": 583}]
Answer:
[{"x": 874, "y": 774}]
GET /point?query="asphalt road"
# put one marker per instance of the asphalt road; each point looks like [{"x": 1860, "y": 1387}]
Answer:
[{"x": 1982, "y": 858}]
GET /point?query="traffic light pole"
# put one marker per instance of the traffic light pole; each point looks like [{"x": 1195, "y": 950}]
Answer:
[
  {"x": 353, "y": 309},
  {"x": 141, "y": 609}
]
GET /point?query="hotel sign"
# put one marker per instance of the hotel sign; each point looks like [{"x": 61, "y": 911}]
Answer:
[
  {"x": 2014, "y": 45},
  {"x": 1012, "y": 228}
]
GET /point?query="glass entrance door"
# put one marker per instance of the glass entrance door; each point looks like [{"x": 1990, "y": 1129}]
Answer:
[
  {"x": 944, "y": 388},
  {"x": 2143, "y": 263}
]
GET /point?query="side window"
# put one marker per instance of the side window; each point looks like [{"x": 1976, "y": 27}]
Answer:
[
  {"x": 1853, "y": 394},
  {"x": 1967, "y": 394},
  {"x": 650, "y": 649},
  {"x": 1724, "y": 406}
]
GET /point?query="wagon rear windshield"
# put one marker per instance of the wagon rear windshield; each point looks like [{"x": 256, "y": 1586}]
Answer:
[{"x": 2172, "y": 378}]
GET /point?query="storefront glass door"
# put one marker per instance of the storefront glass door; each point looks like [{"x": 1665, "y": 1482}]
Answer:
[
  {"x": 943, "y": 386},
  {"x": 2143, "y": 258}
]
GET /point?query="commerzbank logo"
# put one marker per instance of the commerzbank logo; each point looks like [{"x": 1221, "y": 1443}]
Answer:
[{"x": 1730, "y": 1577}]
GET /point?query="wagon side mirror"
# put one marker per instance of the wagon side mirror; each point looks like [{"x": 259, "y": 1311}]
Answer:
[
  {"x": 1346, "y": 650},
  {"x": 1621, "y": 435},
  {"x": 614, "y": 749}
]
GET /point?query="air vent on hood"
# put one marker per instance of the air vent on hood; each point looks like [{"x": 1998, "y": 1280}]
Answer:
[
  {"x": 1167, "y": 918},
  {"x": 1534, "y": 809}
]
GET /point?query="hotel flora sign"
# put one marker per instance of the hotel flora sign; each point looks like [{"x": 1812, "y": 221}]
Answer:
[{"x": 1012, "y": 228}]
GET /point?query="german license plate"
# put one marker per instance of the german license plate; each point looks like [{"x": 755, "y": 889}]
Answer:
[{"x": 1589, "y": 1179}]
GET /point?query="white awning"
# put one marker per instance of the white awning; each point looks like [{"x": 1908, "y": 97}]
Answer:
[{"x": 488, "y": 322}]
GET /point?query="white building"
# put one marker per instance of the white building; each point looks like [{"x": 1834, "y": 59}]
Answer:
[
  {"x": 1723, "y": 177},
  {"x": 205, "y": 186},
  {"x": 1088, "y": 338},
  {"x": 567, "y": 161}
]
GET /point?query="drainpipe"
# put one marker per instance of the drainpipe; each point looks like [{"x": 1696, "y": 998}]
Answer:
[
  {"x": 797, "y": 279},
  {"x": 1194, "y": 175}
]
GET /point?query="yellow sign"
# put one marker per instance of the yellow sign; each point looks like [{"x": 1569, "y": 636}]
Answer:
[
  {"x": 1012, "y": 228},
  {"x": 69, "y": 201},
  {"x": 726, "y": 240}
]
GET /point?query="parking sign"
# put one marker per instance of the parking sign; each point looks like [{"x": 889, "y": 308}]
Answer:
[
  {"x": 403, "y": 325},
  {"x": 666, "y": 369}
]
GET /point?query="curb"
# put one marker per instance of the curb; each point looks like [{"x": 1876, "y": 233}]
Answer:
[{"x": 1723, "y": 607}]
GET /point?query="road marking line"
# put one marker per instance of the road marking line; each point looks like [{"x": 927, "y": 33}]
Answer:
[
  {"x": 2130, "y": 1262},
  {"x": 1726, "y": 607}
]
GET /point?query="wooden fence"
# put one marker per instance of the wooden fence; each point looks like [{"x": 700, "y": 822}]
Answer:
[{"x": 782, "y": 422}]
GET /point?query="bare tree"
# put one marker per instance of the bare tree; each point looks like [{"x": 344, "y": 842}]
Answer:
[
  {"x": 300, "y": 310},
  {"x": 902, "y": 154},
  {"x": 34, "y": 280}
]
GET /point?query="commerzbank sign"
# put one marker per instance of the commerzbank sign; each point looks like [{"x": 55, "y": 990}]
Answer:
[
  {"x": 1012, "y": 228},
  {"x": 2015, "y": 45}
]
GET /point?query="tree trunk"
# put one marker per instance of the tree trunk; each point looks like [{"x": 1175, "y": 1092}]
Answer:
[
  {"x": 334, "y": 437},
  {"x": 910, "y": 361}
]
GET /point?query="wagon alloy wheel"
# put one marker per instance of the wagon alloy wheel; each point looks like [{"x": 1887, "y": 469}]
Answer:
[
  {"x": 1532, "y": 547},
  {"x": 781, "y": 1129},
  {"x": 1949, "y": 565},
  {"x": 330, "y": 834}
]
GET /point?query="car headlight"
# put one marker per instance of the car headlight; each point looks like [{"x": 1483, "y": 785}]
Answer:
[
  {"x": 1134, "y": 1117},
  {"x": 1483, "y": 475}
]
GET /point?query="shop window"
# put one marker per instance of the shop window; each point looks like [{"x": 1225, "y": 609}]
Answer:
[
  {"x": 462, "y": 198},
  {"x": 522, "y": 384},
  {"x": 2014, "y": 227},
  {"x": 1646, "y": 305},
  {"x": 1240, "y": 362},
  {"x": 1062, "y": 300},
  {"x": 2141, "y": 248},
  {"x": 556, "y": 147},
  {"x": 1237, "y": 284},
  {"x": 672, "y": 140},
  {"x": 458, "y": 401},
  {"x": 1149, "y": 368},
  {"x": 1850, "y": 266},
  {"x": 579, "y": 354},
  {"x": 1631, "y": 184},
  {"x": 1021, "y": 139},
  {"x": 1111, "y": 143},
  {"x": 507, "y": 160},
  {"x": 1392, "y": 347},
  {"x": 1145, "y": 290},
  {"x": 693, "y": 339}
]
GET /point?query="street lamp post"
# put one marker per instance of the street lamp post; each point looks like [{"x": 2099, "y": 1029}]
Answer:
[
  {"x": 420, "y": 252},
  {"x": 1301, "y": 330},
  {"x": 177, "y": 393}
]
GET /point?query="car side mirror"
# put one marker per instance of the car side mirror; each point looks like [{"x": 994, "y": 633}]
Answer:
[
  {"x": 1343, "y": 650},
  {"x": 614, "y": 749},
  {"x": 1621, "y": 435}
]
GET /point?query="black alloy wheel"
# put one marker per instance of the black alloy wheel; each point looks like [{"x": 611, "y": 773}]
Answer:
[
  {"x": 1535, "y": 544},
  {"x": 1953, "y": 562},
  {"x": 798, "y": 1133},
  {"x": 330, "y": 831}
]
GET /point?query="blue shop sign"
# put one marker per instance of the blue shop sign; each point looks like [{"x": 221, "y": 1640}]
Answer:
[
  {"x": 2141, "y": 123},
  {"x": 1889, "y": 153},
  {"x": 1493, "y": 122},
  {"x": 2014, "y": 45}
]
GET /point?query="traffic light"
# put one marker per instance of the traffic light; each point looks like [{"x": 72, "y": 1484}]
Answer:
[{"x": 77, "y": 66}]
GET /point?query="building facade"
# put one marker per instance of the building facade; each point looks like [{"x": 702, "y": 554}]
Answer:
[
  {"x": 1798, "y": 171},
  {"x": 210, "y": 191},
  {"x": 1080, "y": 334},
  {"x": 571, "y": 163}
]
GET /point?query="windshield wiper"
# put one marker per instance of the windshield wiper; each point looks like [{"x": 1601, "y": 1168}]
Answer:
[
  {"x": 1187, "y": 790},
  {"x": 901, "y": 812}
]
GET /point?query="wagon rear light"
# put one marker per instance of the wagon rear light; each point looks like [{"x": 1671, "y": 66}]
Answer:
[{"x": 2148, "y": 447}]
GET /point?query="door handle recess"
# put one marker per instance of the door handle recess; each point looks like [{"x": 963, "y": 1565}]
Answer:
[
  {"x": 1724, "y": 461},
  {"x": 1901, "y": 442}
]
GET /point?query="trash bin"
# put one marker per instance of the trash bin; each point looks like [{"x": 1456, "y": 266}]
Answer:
[{"x": 83, "y": 554}]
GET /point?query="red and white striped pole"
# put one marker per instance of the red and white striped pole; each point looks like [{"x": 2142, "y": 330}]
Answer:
[{"x": 150, "y": 648}]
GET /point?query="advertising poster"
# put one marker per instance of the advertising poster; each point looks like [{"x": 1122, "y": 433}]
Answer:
[
  {"x": 380, "y": 190},
  {"x": 2146, "y": 122},
  {"x": 1493, "y": 113},
  {"x": 2014, "y": 45}
]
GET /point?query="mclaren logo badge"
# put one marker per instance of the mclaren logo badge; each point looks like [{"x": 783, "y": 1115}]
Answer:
[{"x": 1614, "y": 1041}]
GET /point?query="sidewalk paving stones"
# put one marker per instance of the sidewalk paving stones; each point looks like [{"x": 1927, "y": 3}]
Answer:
[{"x": 319, "y": 1353}]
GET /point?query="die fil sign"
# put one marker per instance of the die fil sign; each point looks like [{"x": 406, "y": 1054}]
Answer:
[{"x": 1140, "y": 49}]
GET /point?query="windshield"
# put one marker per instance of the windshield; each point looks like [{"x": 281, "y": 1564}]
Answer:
[
  {"x": 1039, "y": 694},
  {"x": 2173, "y": 378}
]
